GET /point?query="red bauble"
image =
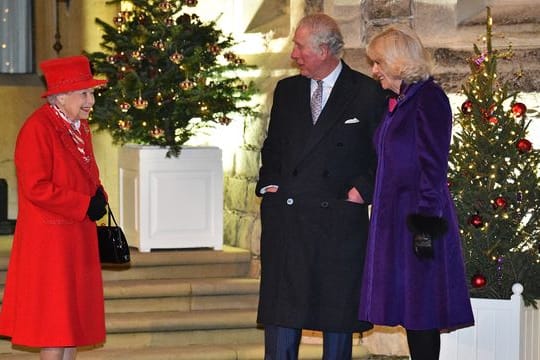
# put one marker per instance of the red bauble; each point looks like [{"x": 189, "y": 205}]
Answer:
[
  {"x": 500, "y": 202},
  {"x": 466, "y": 108},
  {"x": 493, "y": 120},
  {"x": 476, "y": 221},
  {"x": 478, "y": 281},
  {"x": 518, "y": 109},
  {"x": 524, "y": 145}
]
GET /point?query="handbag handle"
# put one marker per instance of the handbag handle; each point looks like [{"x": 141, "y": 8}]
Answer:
[{"x": 111, "y": 216}]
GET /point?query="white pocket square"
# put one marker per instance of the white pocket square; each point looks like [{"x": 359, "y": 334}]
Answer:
[{"x": 352, "y": 121}]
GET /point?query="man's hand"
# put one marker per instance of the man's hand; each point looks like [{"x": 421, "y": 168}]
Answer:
[
  {"x": 354, "y": 196},
  {"x": 270, "y": 189}
]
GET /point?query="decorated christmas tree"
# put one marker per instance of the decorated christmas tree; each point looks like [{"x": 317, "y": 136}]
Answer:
[
  {"x": 494, "y": 178},
  {"x": 170, "y": 74}
]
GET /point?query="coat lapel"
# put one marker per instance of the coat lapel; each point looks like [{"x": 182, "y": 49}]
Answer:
[
  {"x": 302, "y": 129},
  {"x": 341, "y": 94}
]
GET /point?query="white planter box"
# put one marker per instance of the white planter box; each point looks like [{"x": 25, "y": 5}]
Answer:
[
  {"x": 171, "y": 203},
  {"x": 504, "y": 330}
]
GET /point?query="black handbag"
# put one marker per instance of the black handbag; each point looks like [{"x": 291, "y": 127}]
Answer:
[{"x": 113, "y": 246}]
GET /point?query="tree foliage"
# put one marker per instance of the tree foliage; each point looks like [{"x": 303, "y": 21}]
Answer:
[
  {"x": 169, "y": 74},
  {"x": 494, "y": 178}
]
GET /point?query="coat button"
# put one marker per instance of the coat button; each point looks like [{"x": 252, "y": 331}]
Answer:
[
  {"x": 324, "y": 204},
  {"x": 290, "y": 201}
]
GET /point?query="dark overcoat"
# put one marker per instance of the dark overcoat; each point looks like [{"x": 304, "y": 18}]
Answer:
[
  {"x": 313, "y": 240},
  {"x": 399, "y": 288}
]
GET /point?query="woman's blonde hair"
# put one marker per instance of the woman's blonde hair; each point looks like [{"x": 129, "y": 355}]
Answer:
[{"x": 400, "y": 53}]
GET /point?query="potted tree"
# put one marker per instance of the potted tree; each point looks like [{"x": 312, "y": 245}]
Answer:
[
  {"x": 169, "y": 75},
  {"x": 494, "y": 181}
]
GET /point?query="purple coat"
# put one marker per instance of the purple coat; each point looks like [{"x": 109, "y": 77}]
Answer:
[{"x": 398, "y": 288}]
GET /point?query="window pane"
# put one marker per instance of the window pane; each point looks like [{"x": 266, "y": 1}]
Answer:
[{"x": 16, "y": 36}]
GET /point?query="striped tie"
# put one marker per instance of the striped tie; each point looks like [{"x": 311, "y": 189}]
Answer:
[{"x": 316, "y": 101}]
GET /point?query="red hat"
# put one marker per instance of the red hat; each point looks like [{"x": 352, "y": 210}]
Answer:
[{"x": 68, "y": 74}]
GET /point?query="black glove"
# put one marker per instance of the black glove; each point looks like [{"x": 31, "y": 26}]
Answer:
[
  {"x": 425, "y": 229},
  {"x": 97, "y": 207}
]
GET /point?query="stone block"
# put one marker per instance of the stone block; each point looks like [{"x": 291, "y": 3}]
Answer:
[
  {"x": 381, "y": 9},
  {"x": 247, "y": 231},
  {"x": 230, "y": 228},
  {"x": 255, "y": 131},
  {"x": 235, "y": 194},
  {"x": 246, "y": 163},
  {"x": 253, "y": 202},
  {"x": 350, "y": 23},
  {"x": 256, "y": 237}
]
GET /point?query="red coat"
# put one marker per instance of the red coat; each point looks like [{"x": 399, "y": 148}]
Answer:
[{"x": 54, "y": 293}]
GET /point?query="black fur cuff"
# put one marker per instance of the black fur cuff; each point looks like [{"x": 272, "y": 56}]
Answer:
[{"x": 422, "y": 224}]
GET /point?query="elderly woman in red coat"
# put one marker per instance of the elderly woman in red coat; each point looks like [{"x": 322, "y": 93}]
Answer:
[
  {"x": 53, "y": 299},
  {"x": 414, "y": 273}
]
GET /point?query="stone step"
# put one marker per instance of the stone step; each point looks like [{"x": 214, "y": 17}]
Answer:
[
  {"x": 199, "y": 263},
  {"x": 193, "y": 352},
  {"x": 230, "y": 262},
  {"x": 181, "y": 303},
  {"x": 179, "y": 287},
  {"x": 211, "y": 337},
  {"x": 176, "y": 328},
  {"x": 197, "y": 304},
  {"x": 160, "y": 321},
  {"x": 180, "y": 294}
]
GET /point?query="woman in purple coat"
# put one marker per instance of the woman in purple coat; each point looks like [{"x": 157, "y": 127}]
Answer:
[{"x": 414, "y": 273}]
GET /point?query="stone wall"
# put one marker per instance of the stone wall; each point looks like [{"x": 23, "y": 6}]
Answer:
[{"x": 447, "y": 27}]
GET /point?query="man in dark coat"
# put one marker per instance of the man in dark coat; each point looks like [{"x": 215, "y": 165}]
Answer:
[{"x": 316, "y": 181}]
